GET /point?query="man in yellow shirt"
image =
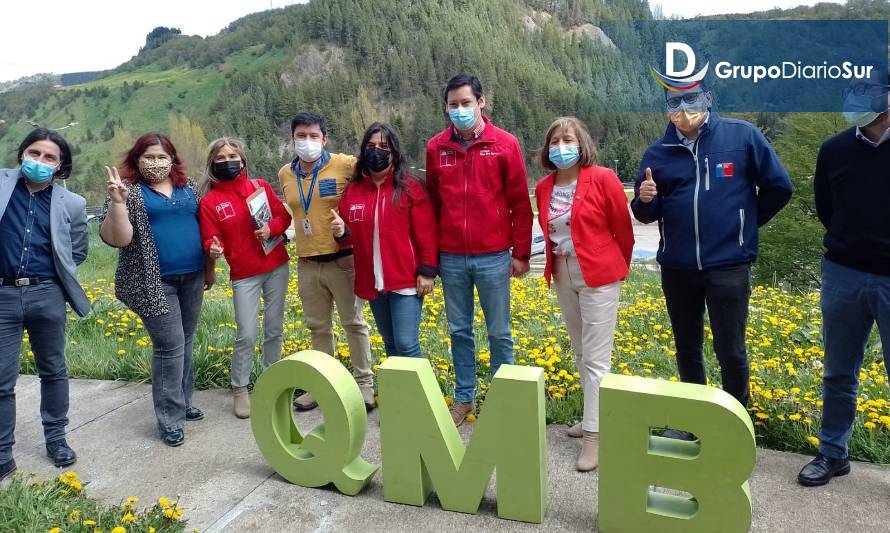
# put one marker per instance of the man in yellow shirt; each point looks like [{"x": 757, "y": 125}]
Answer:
[{"x": 313, "y": 183}]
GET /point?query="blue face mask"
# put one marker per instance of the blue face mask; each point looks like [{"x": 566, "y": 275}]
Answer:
[
  {"x": 37, "y": 172},
  {"x": 463, "y": 118},
  {"x": 564, "y": 155}
]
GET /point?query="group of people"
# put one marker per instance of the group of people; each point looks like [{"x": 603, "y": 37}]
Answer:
[{"x": 366, "y": 229}]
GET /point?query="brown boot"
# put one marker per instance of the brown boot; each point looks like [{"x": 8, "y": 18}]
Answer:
[
  {"x": 575, "y": 431},
  {"x": 241, "y": 402},
  {"x": 589, "y": 458},
  {"x": 459, "y": 412}
]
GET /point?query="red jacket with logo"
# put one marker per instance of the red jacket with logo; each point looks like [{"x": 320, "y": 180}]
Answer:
[
  {"x": 480, "y": 194},
  {"x": 600, "y": 225},
  {"x": 407, "y": 230},
  {"x": 224, "y": 215}
]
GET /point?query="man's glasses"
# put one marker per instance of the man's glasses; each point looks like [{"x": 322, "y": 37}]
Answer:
[{"x": 689, "y": 98}]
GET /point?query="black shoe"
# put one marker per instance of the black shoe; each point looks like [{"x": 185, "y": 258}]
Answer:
[
  {"x": 61, "y": 454},
  {"x": 821, "y": 469},
  {"x": 173, "y": 438},
  {"x": 7, "y": 469},
  {"x": 679, "y": 435},
  {"x": 193, "y": 413}
]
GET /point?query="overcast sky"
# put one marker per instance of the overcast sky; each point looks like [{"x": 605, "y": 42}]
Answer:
[{"x": 61, "y": 36}]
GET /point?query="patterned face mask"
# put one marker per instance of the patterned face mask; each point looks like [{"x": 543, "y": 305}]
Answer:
[{"x": 155, "y": 170}]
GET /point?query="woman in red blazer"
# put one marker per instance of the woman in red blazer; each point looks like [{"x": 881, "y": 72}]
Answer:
[
  {"x": 387, "y": 216},
  {"x": 583, "y": 213}
]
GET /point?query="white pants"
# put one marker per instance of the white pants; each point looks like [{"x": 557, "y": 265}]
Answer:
[
  {"x": 589, "y": 314},
  {"x": 272, "y": 286}
]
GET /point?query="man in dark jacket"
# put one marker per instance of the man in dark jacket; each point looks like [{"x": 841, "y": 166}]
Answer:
[
  {"x": 710, "y": 182},
  {"x": 852, "y": 188}
]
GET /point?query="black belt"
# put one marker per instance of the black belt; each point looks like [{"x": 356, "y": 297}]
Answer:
[
  {"x": 24, "y": 282},
  {"x": 327, "y": 258}
]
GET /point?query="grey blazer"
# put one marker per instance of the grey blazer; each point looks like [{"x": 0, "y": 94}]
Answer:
[{"x": 68, "y": 231}]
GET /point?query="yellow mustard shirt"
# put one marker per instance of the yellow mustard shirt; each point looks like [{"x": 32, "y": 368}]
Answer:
[{"x": 332, "y": 180}]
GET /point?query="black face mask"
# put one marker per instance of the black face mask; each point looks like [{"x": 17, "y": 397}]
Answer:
[
  {"x": 376, "y": 159},
  {"x": 226, "y": 170}
]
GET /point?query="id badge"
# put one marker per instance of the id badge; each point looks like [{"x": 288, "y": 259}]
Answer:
[{"x": 307, "y": 229}]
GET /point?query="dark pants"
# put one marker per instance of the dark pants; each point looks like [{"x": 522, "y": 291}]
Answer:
[
  {"x": 398, "y": 320},
  {"x": 726, "y": 291},
  {"x": 852, "y": 302},
  {"x": 172, "y": 334},
  {"x": 41, "y": 310}
]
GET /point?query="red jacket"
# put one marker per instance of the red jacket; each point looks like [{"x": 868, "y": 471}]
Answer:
[
  {"x": 224, "y": 215},
  {"x": 600, "y": 225},
  {"x": 480, "y": 194},
  {"x": 408, "y": 244}
]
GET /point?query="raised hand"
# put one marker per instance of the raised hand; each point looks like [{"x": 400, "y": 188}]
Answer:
[
  {"x": 115, "y": 186},
  {"x": 648, "y": 189}
]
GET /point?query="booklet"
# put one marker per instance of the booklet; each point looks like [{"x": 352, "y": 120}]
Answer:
[{"x": 258, "y": 204}]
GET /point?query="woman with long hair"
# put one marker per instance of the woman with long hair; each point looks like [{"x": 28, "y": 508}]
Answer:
[
  {"x": 151, "y": 215},
  {"x": 256, "y": 255}
]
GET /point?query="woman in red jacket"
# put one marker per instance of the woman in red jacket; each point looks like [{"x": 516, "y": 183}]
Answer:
[
  {"x": 387, "y": 216},
  {"x": 256, "y": 255},
  {"x": 583, "y": 213}
]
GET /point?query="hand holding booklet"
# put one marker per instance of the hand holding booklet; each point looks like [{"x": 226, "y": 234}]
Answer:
[{"x": 258, "y": 204}]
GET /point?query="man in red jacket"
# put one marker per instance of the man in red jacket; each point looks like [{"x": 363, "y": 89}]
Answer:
[{"x": 477, "y": 180}]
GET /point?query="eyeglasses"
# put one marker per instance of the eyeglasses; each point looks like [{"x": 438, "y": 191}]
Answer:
[{"x": 689, "y": 98}]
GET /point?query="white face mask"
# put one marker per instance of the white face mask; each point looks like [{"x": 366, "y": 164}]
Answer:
[{"x": 308, "y": 151}]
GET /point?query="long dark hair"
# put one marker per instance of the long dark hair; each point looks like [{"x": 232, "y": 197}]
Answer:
[{"x": 400, "y": 175}]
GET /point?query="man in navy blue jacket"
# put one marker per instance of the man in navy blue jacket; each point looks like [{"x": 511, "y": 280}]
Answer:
[{"x": 710, "y": 182}]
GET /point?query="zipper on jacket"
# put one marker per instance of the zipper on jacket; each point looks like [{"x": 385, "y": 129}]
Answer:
[
  {"x": 466, "y": 202},
  {"x": 695, "y": 204},
  {"x": 707, "y": 175},
  {"x": 661, "y": 230},
  {"x": 741, "y": 227}
]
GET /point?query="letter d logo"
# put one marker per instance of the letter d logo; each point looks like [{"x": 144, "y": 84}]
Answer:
[{"x": 669, "y": 54}]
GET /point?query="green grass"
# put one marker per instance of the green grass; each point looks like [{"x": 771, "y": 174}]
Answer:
[
  {"x": 784, "y": 346},
  {"x": 31, "y": 506}
]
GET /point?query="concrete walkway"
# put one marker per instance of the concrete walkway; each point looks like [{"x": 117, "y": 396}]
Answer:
[{"x": 225, "y": 485}]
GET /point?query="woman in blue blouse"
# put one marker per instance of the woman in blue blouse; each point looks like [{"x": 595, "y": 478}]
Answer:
[{"x": 151, "y": 214}]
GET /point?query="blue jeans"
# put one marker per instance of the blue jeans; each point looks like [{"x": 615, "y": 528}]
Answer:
[
  {"x": 41, "y": 310},
  {"x": 852, "y": 301},
  {"x": 490, "y": 275},
  {"x": 398, "y": 320},
  {"x": 172, "y": 336}
]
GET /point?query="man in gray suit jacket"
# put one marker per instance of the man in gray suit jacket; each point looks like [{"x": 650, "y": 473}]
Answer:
[{"x": 43, "y": 237}]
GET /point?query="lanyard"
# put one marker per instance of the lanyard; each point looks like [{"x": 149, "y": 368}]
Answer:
[{"x": 303, "y": 198}]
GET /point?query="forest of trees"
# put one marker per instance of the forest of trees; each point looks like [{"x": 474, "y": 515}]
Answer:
[{"x": 356, "y": 61}]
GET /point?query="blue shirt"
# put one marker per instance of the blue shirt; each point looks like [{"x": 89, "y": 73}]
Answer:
[
  {"x": 174, "y": 225},
  {"x": 26, "y": 249}
]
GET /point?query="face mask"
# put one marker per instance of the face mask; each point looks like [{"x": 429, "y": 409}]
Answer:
[
  {"x": 860, "y": 118},
  {"x": 564, "y": 155},
  {"x": 687, "y": 120},
  {"x": 377, "y": 159},
  {"x": 37, "y": 172},
  {"x": 226, "y": 170},
  {"x": 155, "y": 170},
  {"x": 308, "y": 151},
  {"x": 463, "y": 118}
]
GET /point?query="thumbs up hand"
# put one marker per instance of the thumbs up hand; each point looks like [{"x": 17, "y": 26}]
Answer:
[
  {"x": 216, "y": 248},
  {"x": 337, "y": 225},
  {"x": 648, "y": 189}
]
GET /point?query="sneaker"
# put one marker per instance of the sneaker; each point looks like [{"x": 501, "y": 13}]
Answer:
[
  {"x": 575, "y": 431},
  {"x": 305, "y": 403},
  {"x": 368, "y": 397},
  {"x": 173, "y": 438},
  {"x": 459, "y": 411},
  {"x": 679, "y": 435},
  {"x": 193, "y": 413}
]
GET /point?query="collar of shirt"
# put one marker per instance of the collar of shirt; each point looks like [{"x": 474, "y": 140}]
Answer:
[
  {"x": 24, "y": 183},
  {"x": 477, "y": 131},
  {"x": 863, "y": 138},
  {"x": 322, "y": 161},
  {"x": 689, "y": 142}
]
